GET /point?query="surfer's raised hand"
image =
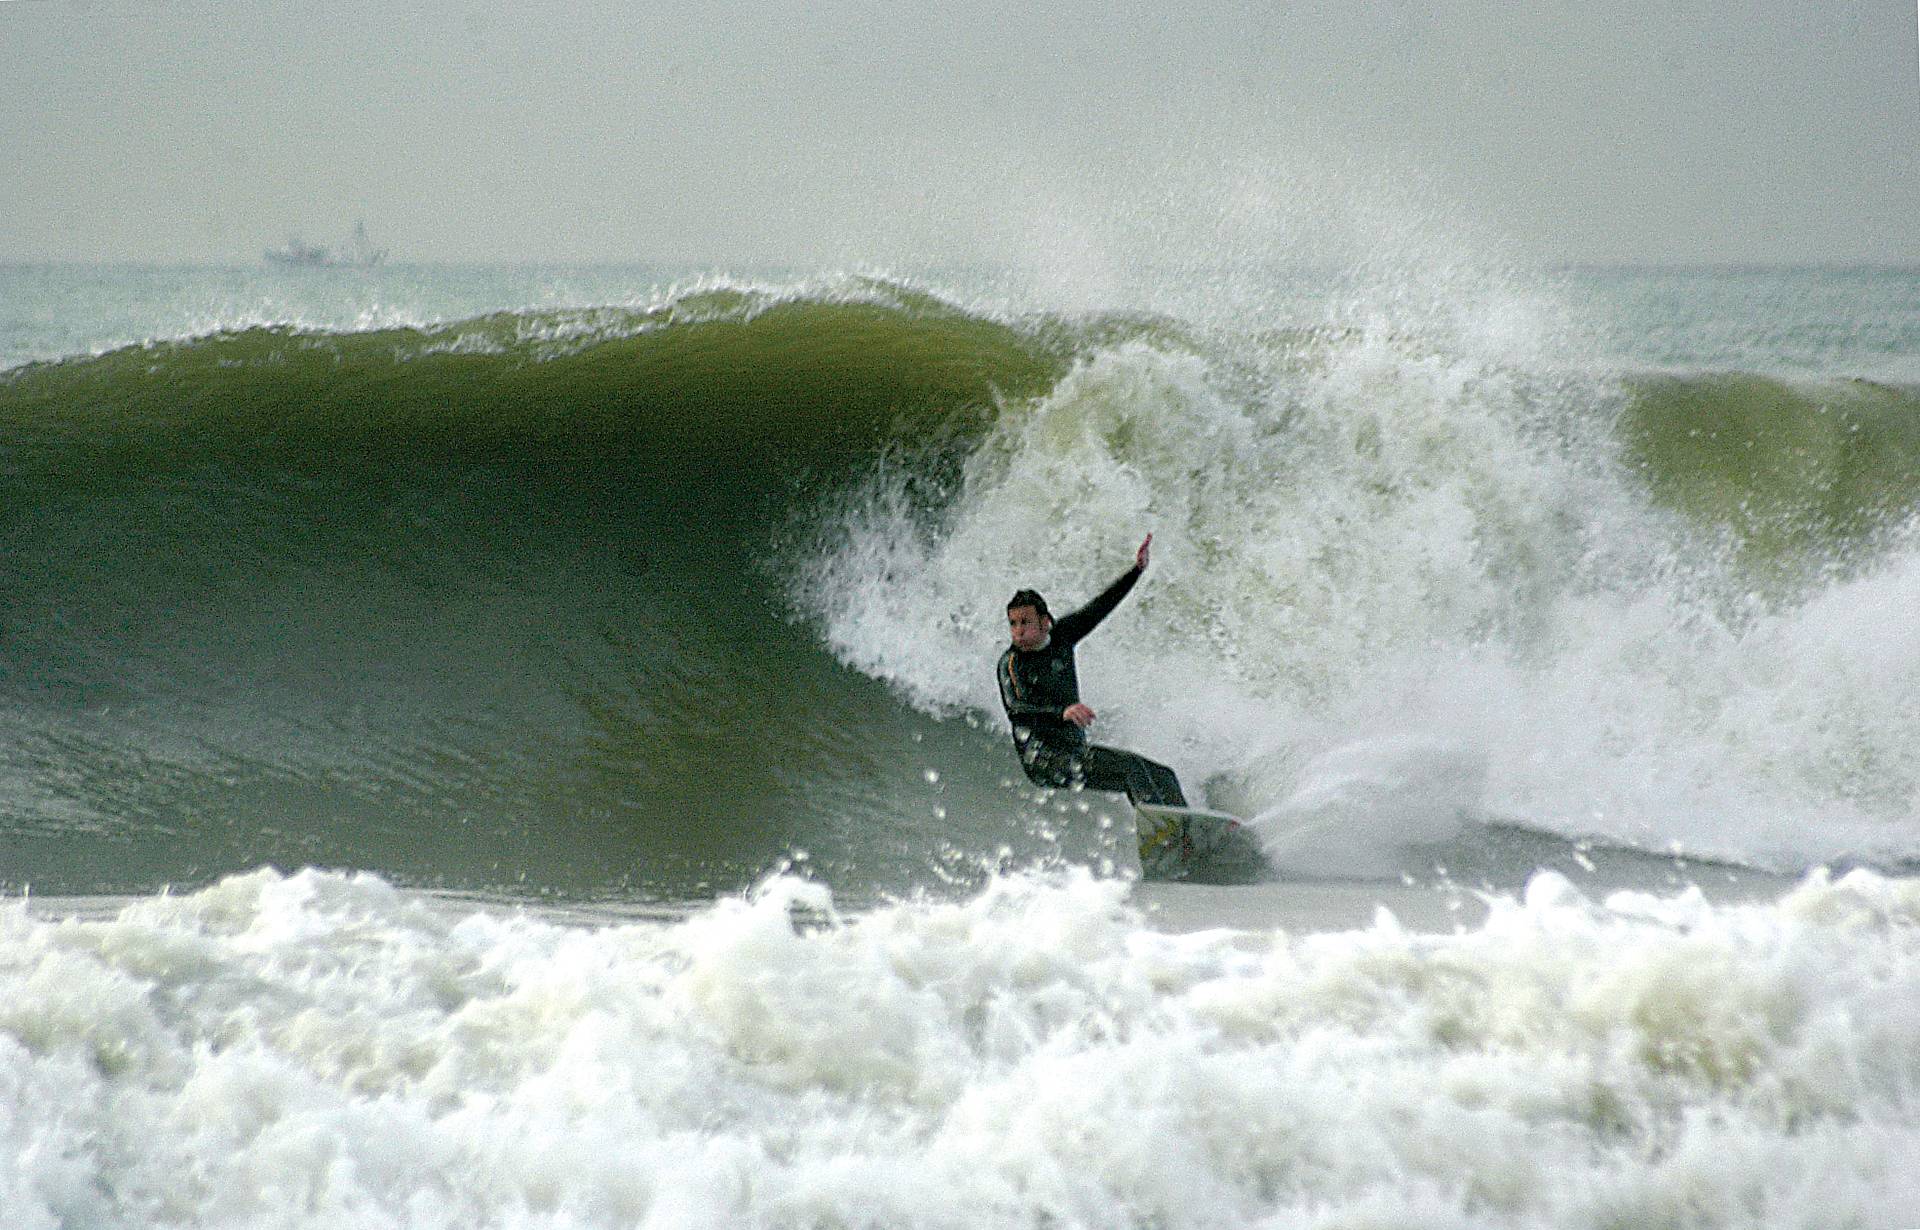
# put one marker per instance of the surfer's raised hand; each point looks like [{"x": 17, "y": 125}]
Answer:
[
  {"x": 1078, "y": 714},
  {"x": 1140, "y": 558}
]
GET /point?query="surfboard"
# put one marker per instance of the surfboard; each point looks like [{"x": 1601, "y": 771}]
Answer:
[{"x": 1176, "y": 841}]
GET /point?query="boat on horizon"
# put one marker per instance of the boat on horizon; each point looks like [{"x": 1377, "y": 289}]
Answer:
[{"x": 358, "y": 253}]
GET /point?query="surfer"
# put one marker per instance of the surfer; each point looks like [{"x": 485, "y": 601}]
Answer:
[{"x": 1041, "y": 691}]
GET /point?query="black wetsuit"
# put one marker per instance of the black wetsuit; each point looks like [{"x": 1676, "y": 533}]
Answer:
[{"x": 1038, "y": 685}]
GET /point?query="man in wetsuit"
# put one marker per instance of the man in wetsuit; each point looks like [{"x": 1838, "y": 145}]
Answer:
[{"x": 1041, "y": 691}]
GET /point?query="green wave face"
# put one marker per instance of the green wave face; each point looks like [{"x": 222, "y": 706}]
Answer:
[
  {"x": 481, "y": 604},
  {"x": 1793, "y": 472}
]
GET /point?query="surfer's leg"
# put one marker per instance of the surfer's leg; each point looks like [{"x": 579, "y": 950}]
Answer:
[
  {"x": 1162, "y": 784},
  {"x": 1047, "y": 767},
  {"x": 1143, "y": 780}
]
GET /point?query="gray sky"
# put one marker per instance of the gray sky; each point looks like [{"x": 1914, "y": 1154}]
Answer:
[{"x": 834, "y": 131}]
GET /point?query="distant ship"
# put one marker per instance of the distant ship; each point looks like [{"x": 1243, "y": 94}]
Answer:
[{"x": 358, "y": 253}]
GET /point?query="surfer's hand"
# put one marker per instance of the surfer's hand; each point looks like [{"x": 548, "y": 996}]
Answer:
[
  {"x": 1140, "y": 557},
  {"x": 1078, "y": 714}
]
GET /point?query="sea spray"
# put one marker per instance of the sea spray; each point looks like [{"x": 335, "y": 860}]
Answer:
[{"x": 1414, "y": 521}]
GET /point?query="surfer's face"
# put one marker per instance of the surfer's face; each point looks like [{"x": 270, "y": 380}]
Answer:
[{"x": 1028, "y": 626}]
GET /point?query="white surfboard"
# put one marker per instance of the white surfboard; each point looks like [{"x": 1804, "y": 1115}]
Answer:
[{"x": 1174, "y": 841}]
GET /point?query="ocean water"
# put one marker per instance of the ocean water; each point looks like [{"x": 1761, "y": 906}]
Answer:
[{"x": 518, "y": 747}]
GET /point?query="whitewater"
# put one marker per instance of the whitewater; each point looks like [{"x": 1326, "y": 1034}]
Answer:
[{"x": 519, "y": 747}]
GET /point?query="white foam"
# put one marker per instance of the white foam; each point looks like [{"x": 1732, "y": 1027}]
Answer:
[{"x": 324, "y": 1051}]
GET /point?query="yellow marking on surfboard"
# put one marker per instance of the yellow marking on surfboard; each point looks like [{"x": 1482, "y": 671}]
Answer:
[{"x": 1160, "y": 836}]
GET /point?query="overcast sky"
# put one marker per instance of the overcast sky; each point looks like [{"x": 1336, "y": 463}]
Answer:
[{"x": 1651, "y": 131}]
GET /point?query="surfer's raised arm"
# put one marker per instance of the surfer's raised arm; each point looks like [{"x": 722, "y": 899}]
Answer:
[{"x": 1070, "y": 628}]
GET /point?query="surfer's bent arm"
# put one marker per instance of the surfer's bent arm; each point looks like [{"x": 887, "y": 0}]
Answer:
[{"x": 1069, "y": 628}]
